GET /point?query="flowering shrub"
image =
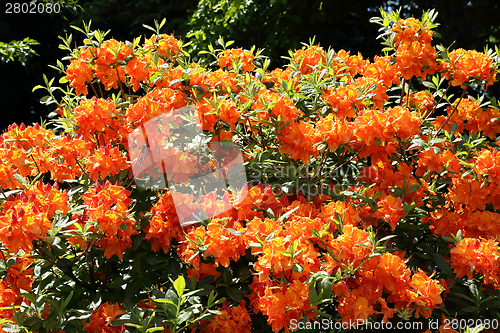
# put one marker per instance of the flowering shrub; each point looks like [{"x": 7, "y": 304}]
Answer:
[{"x": 372, "y": 194}]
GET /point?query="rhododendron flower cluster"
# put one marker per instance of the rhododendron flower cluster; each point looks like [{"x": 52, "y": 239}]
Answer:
[{"x": 369, "y": 188}]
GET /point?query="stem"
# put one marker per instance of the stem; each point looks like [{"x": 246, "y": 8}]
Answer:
[
  {"x": 95, "y": 92},
  {"x": 35, "y": 163},
  {"x": 81, "y": 167},
  {"x": 442, "y": 96},
  {"x": 452, "y": 113},
  {"x": 3, "y": 193},
  {"x": 262, "y": 143},
  {"x": 408, "y": 94},
  {"x": 119, "y": 82},
  {"x": 320, "y": 165},
  {"x": 402, "y": 92},
  {"x": 97, "y": 139},
  {"x": 131, "y": 181},
  {"x": 3, "y": 256}
]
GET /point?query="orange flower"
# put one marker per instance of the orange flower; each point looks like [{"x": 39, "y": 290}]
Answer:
[
  {"x": 107, "y": 208},
  {"x": 26, "y": 217},
  {"x": 479, "y": 224},
  {"x": 309, "y": 57},
  {"x": 67, "y": 156},
  {"x": 414, "y": 54},
  {"x": 100, "y": 319},
  {"x": 97, "y": 115},
  {"x": 477, "y": 255},
  {"x": 411, "y": 30},
  {"x": 20, "y": 228},
  {"x": 342, "y": 100},
  {"x": 230, "y": 320},
  {"x": 228, "y": 113},
  {"x": 139, "y": 69},
  {"x": 8, "y": 299},
  {"x": 443, "y": 222},
  {"x": 281, "y": 305},
  {"x": 467, "y": 110},
  {"x": 230, "y": 57},
  {"x": 106, "y": 161},
  {"x": 354, "y": 307},
  {"x": 391, "y": 210},
  {"x": 344, "y": 63},
  {"x": 344, "y": 210},
  {"x": 335, "y": 131},
  {"x": 298, "y": 141},
  {"x": 468, "y": 65},
  {"x": 383, "y": 71},
  {"x": 156, "y": 102},
  {"x": 166, "y": 45},
  {"x": 79, "y": 72},
  {"x": 427, "y": 293},
  {"x": 488, "y": 163},
  {"x": 23, "y": 150},
  {"x": 108, "y": 63},
  {"x": 423, "y": 102},
  {"x": 350, "y": 248},
  {"x": 429, "y": 160},
  {"x": 19, "y": 276},
  {"x": 371, "y": 92},
  {"x": 392, "y": 273},
  {"x": 385, "y": 125},
  {"x": 248, "y": 200},
  {"x": 469, "y": 193},
  {"x": 277, "y": 105},
  {"x": 416, "y": 59},
  {"x": 218, "y": 242},
  {"x": 198, "y": 77},
  {"x": 274, "y": 262},
  {"x": 203, "y": 270},
  {"x": 223, "y": 80},
  {"x": 208, "y": 115},
  {"x": 164, "y": 225}
]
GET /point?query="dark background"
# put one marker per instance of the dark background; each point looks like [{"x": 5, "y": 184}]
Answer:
[{"x": 276, "y": 25}]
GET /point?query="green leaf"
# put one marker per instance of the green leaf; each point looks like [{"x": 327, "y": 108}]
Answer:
[
  {"x": 66, "y": 302},
  {"x": 412, "y": 188},
  {"x": 21, "y": 180},
  {"x": 38, "y": 87},
  {"x": 180, "y": 285},
  {"x": 155, "y": 329},
  {"x": 234, "y": 293},
  {"x": 443, "y": 265},
  {"x": 325, "y": 285},
  {"x": 297, "y": 268},
  {"x": 234, "y": 232},
  {"x": 313, "y": 295},
  {"x": 165, "y": 300},
  {"x": 184, "y": 317},
  {"x": 285, "y": 216}
]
